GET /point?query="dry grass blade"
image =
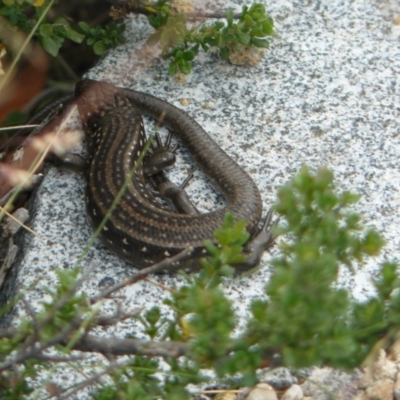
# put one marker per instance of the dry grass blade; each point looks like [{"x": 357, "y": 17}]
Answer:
[
  {"x": 21, "y": 224},
  {"x": 38, "y": 160}
]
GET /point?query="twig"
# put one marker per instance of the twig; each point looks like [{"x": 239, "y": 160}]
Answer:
[
  {"x": 160, "y": 285},
  {"x": 93, "y": 379},
  {"x": 163, "y": 265},
  {"x": 121, "y": 347},
  {"x": 9, "y": 128},
  {"x": 38, "y": 352},
  {"x": 107, "y": 320}
]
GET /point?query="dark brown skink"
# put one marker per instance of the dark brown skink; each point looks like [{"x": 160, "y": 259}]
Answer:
[{"x": 140, "y": 229}]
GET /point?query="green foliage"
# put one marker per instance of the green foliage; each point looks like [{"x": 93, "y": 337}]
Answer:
[
  {"x": 58, "y": 314},
  {"x": 69, "y": 308},
  {"x": 14, "y": 13},
  {"x": 52, "y": 34},
  {"x": 231, "y": 238},
  {"x": 151, "y": 322},
  {"x": 13, "y": 387},
  {"x": 305, "y": 318},
  {"x": 161, "y": 14},
  {"x": 103, "y": 38},
  {"x": 136, "y": 381},
  {"x": 317, "y": 221},
  {"x": 179, "y": 43},
  {"x": 253, "y": 27}
]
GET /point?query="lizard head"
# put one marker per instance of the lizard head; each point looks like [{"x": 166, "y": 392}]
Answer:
[
  {"x": 94, "y": 97},
  {"x": 94, "y": 100}
]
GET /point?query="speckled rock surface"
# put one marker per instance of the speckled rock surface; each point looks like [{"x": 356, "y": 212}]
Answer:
[
  {"x": 326, "y": 383},
  {"x": 327, "y": 93},
  {"x": 279, "y": 378}
]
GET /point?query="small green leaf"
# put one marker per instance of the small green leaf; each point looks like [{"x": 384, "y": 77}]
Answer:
[
  {"x": 229, "y": 17},
  {"x": 227, "y": 270},
  {"x": 84, "y": 26},
  {"x": 220, "y": 41},
  {"x": 268, "y": 27},
  {"x": 51, "y": 45},
  {"x": 172, "y": 68},
  {"x": 188, "y": 55},
  {"x": 248, "y": 20},
  {"x": 179, "y": 55},
  {"x": 46, "y": 30},
  {"x": 372, "y": 243},
  {"x": 99, "y": 48},
  {"x": 218, "y": 26},
  {"x": 153, "y": 315},
  {"x": 243, "y": 38},
  {"x": 224, "y": 53},
  {"x": 261, "y": 43},
  {"x": 211, "y": 248},
  {"x": 73, "y": 35},
  {"x": 184, "y": 67}
]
